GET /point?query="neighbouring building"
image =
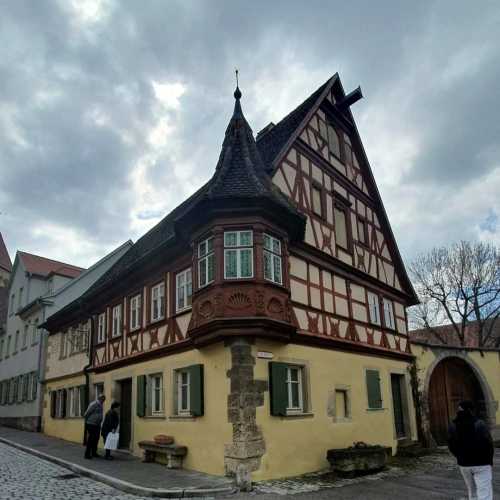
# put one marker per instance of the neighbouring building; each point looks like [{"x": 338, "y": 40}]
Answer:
[
  {"x": 447, "y": 373},
  {"x": 22, "y": 346},
  {"x": 5, "y": 270},
  {"x": 263, "y": 320},
  {"x": 67, "y": 356},
  {"x": 40, "y": 287}
]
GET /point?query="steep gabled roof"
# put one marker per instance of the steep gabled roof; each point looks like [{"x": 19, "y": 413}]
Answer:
[
  {"x": 5, "y": 262},
  {"x": 274, "y": 144},
  {"x": 41, "y": 266}
]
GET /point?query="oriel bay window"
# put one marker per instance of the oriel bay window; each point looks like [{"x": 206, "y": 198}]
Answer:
[
  {"x": 158, "y": 302},
  {"x": 135, "y": 312},
  {"x": 238, "y": 254},
  {"x": 184, "y": 289},
  {"x": 206, "y": 262},
  {"x": 272, "y": 259}
]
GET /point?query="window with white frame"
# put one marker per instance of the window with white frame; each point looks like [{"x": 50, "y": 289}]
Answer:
[
  {"x": 206, "y": 262},
  {"x": 156, "y": 394},
  {"x": 98, "y": 390},
  {"x": 294, "y": 376},
  {"x": 60, "y": 411},
  {"x": 158, "y": 301},
  {"x": 35, "y": 333},
  {"x": 135, "y": 312},
  {"x": 388, "y": 314},
  {"x": 101, "y": 328},
  {"x": 16, "y": 342},
  {"x": 272, "y": 259},
  {"x": 75, "y": 398},
  {"x": 238, "y": 254},
  {"x": 184, "y": 289},
  {"x": 25, "y": 336},
  {"x": 183, "y": 392},
  {"x": 116, "y": 330},
  {"x": 374, "y": 306}
]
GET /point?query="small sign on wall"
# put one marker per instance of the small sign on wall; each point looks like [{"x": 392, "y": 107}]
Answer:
[{"x": 265, "y": 355}]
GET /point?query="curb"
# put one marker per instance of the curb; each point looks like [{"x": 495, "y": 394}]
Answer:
[{"x": 119, "y": 484}]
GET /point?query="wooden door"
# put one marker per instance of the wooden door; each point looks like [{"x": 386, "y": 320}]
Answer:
[
  {"x": 398, "y": 404},
  {"x": 125, "y": 414},
  {"x": 451, "y": 382}
]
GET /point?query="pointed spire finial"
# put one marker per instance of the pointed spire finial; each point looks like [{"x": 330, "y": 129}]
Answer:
[{"x": 237, "y": 92}]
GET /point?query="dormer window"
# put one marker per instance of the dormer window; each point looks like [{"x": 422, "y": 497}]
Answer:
[
  {"x": 272, "y": 259},
  {"x": 238, "y": 254},
  {"x": 206, "y": 262}
]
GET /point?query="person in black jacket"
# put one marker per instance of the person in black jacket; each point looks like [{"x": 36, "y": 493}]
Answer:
[
  {"x": 110, "y": 424},
  {"x": 471, "y": 443}
]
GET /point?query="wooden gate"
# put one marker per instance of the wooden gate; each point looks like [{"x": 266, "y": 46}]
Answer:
[{"x": 452, "y": 381}]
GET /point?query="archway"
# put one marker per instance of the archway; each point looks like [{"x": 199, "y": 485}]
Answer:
[{"x": 452, "y": 380}]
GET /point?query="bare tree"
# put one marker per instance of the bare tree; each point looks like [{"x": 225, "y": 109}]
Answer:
[{"x": 459, "y": 285}]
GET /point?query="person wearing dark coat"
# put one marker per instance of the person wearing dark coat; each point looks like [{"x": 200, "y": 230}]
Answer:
[
  {"x": 93, "y": 421},
  {"x": 110, "y": 424},
  {"x": 471, "y": 443}
]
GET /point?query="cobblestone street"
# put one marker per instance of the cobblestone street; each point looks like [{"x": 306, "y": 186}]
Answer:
[{"x": 26, "y": 477}]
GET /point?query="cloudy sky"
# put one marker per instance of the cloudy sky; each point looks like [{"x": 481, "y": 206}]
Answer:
[{"x": 112, "y": 112}]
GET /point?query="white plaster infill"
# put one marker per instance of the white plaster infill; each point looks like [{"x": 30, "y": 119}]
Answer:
[{"x": 119, "y": 484}]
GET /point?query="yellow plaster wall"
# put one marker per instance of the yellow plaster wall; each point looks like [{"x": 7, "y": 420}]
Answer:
[
  {"x": 70, "y": 429},
  {"x": 204, "y": 436},
  {"x": 297, "y": 445}
]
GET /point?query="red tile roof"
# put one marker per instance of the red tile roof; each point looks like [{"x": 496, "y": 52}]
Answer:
[
  {"x": 42, "y": 266},
  {"x": 5, "y": 262}
]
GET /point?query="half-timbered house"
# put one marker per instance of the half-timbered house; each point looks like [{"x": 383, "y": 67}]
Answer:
[{"x": 263, "y": 321}]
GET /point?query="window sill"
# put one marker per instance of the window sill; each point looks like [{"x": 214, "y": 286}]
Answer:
[
  {"x": 155, "y": 417},
  {"x": 182, "y": 417},
  {"x": 296, "y": 415},
  {"x": 376, "y": 409},
  {"x": 182, "y": 311},
  {"x": 115, "y": 337},
  {"x": 135, "y": 329},
  {"x": 157, "y": 320}
]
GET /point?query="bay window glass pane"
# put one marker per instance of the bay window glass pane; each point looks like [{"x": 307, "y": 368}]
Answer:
[
  {"x": 267, "y": 242},
  {"x": 211, "y": 268},
  {"x": 203, "y": 272},
  {"x": 277, "y": 269},
  {"x": 230, "y": 239},
  {"x": 268, "y": 266},
  {"x": 246, "y": 263},
  {"x": 276, "y": 246},
  {"x": 231, "y": 260},
  {"x": 180, "y": 297},
  {"x": 210, "y": 245},
  {"x": 202, "y": 249},
  {"x": 245, "y": 238}
]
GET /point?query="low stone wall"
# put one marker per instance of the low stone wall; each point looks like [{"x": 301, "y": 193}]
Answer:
[{"x": 32, "y": 424}]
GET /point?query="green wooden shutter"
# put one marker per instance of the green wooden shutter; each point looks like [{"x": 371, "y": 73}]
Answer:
[
  {"x": 277, "y": 388},
  {"x": 373, "y": 389},
  {"x": 53, "y": 402},
  {"x": 196, "y": 392},
  {"x": 64, "y": 395},
  {"x": 83, "y": 399},
  {"x": 141, "y": 395}
]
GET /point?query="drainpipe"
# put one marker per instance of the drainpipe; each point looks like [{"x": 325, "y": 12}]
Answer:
[
  {"x": 86, "y": 371},
  {"x": 42, "y": 356}
]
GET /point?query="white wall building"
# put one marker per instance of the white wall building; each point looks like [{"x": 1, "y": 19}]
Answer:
[{"x": 38, "y": 288}]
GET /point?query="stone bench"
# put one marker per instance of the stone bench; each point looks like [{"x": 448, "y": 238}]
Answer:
[{"x": 173, "y": 452}]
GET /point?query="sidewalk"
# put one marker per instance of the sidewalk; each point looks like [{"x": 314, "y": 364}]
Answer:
[{"x": 127, "y": 472}]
